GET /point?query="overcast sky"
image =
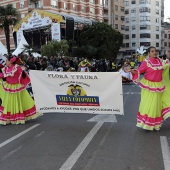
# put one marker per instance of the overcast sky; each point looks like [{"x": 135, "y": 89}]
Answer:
[{"x": 167, "y": 9}]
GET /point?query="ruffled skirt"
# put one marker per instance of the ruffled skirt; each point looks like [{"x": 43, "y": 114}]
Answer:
[
  {"x": 166, "y": 94},
  {"x": 150, "y": 110},
  {"x": 17, "y": 105}
]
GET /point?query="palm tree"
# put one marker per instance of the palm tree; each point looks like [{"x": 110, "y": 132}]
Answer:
[{"x": 8, "y": 17}]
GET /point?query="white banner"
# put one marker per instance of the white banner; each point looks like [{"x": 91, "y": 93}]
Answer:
[
  {"x": 98, "y": 93},
  {"x": 35, "y": 21},
  {"x": 55, "y": 31},
  {"x": 19, "y": 36}
]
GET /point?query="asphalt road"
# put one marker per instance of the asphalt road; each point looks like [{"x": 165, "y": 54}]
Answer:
[{"x": 59, "y": 141}]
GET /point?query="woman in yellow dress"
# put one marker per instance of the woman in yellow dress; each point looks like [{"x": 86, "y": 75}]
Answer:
[{"x": 152, "y": 87}]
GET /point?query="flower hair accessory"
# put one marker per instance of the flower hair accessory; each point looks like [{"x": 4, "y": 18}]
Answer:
[{"x": 13, "y": 59}]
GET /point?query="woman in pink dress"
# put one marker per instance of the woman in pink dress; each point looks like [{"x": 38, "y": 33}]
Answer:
[
  {"x": 150, "y": 110},
  {"x": 17, "y": 105}
]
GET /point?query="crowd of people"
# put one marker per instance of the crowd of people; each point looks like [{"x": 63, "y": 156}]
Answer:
[{"x": 17, "y": 106}]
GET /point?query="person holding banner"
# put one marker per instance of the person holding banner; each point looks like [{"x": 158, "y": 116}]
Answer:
[
  {"x": 17, "y": 105},
  {"x": 150, "y": 115}
]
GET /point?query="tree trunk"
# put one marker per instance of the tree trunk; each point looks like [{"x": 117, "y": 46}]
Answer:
[{"x": 7, "y": 36}]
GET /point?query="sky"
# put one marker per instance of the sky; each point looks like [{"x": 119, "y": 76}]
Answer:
[{"x": 167, "y": 9}]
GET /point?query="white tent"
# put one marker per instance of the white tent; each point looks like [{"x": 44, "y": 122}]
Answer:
[
  {"x": 3, "y": 50},
  {"x": 20, "y": 47}
]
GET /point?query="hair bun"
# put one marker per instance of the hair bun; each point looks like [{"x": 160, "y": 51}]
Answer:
[{"x": 13, "y": 59}]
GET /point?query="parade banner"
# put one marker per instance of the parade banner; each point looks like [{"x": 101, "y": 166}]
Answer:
[
  {"x": 19, "y": 36},
  {"x": 38, "y": 18},
  {"x": 55, "y": 31},
  {"x": 76, "y": 92}
]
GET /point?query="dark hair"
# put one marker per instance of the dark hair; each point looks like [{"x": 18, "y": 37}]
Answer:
[
  {"x": 149, "y": 49},
  {"x": 10, "y": 57}
]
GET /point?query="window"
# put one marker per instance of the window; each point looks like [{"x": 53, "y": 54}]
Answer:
[
  {"x": 54, "y": 3},
  {"x": 22, "y": 15},
  {"x": 74, "y": 7},
  {"x": 146, "y": 44},
  {"x": 144, "y": 9},
  {"x": 22, "y": 4},
  {"x": 127, "y": 44},
  {"x": 92, "y": 1},
  {"x": 101, "y": 2},
  {"x": 133, "y": 11},
  {"x": 65, "y": 6},
  {"x": 126, "y": 3},
  {"x": 157, "y": 20},
  {"x": 169, "y": 44},
  {"x": 116, "y": 8},
  {"x": 133, "y": 19},
  {"x": 127, "y": 20},
  {"x": 165, "y": 44},
  {"x": 157, "y": 28},
  {"x": 126, "y": 11},
  {"x": 165, "y": 36},
  {"x": 145, "y": 27},
  {"x": 122, "y": 9},
  {"x": 145, "y": 35},
  {"x": 14, "y": 5},
  {"x": 122, "y": 27},
  {"x": 127, "y": 36},
  {"x": 92, "y": 10},
  {"x": 133, "y": 44},
  {"x": 101, "y": 12},
  {"x": 157, "y": 44},
  {"x": 116, "y": 26},
  {"x": 133, "y": 27},
  {"x": 157, "y": 3},
  {"x": 133, "y": 35},
  {"x": 157, "y": 36},
  {"x": 144, "y": 2},
  {"x": 126, "y": 28},
  {"x": 116, "y": 17},
  {"x": 84, "y": 10},
  {"x": 133, "y": 2},
  {"x": 144, "y": 18},
  {"x": 169, "y": 36},
  {"x": 122, "y": 18},
  {"x": 157, "y": 11}
]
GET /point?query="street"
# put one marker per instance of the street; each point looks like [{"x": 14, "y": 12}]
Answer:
[{"x": 62, "y": 141}]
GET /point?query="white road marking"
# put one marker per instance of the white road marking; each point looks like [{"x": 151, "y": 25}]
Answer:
[
  {"x": 82, "y": 146},
  {"x": 18, "y": 135},
  {"x": 103, "y": 118},
  {"x": 39, "y": 134},
  {"x": 11, "y": 153},
  {"x": 165, "y": 152}
]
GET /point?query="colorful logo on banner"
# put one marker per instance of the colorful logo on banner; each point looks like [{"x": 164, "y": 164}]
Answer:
[{"x": 76, "y": 96}]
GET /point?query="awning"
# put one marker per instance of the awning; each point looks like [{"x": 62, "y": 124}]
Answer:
[{"x": 77, "y": 19}]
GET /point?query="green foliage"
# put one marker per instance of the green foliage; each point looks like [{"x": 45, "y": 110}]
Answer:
[
  {"x": 29, "y": 49},
  {"x": 8, "y": 17},
  {"x": 102, "y": 37},
  {"x": 85, "y": 51},
  {"x": 55, "y": 48}
]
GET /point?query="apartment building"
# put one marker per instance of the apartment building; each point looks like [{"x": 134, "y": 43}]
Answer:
[
  {"x": 144, "y": 24},
  {"x": 166, "y": 37}
]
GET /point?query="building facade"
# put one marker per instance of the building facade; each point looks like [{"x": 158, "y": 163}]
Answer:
[
  {"x": 99, "y": 10},
  {"x": 144, "y": 24},
  {"x": 166, "y": 37}
]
